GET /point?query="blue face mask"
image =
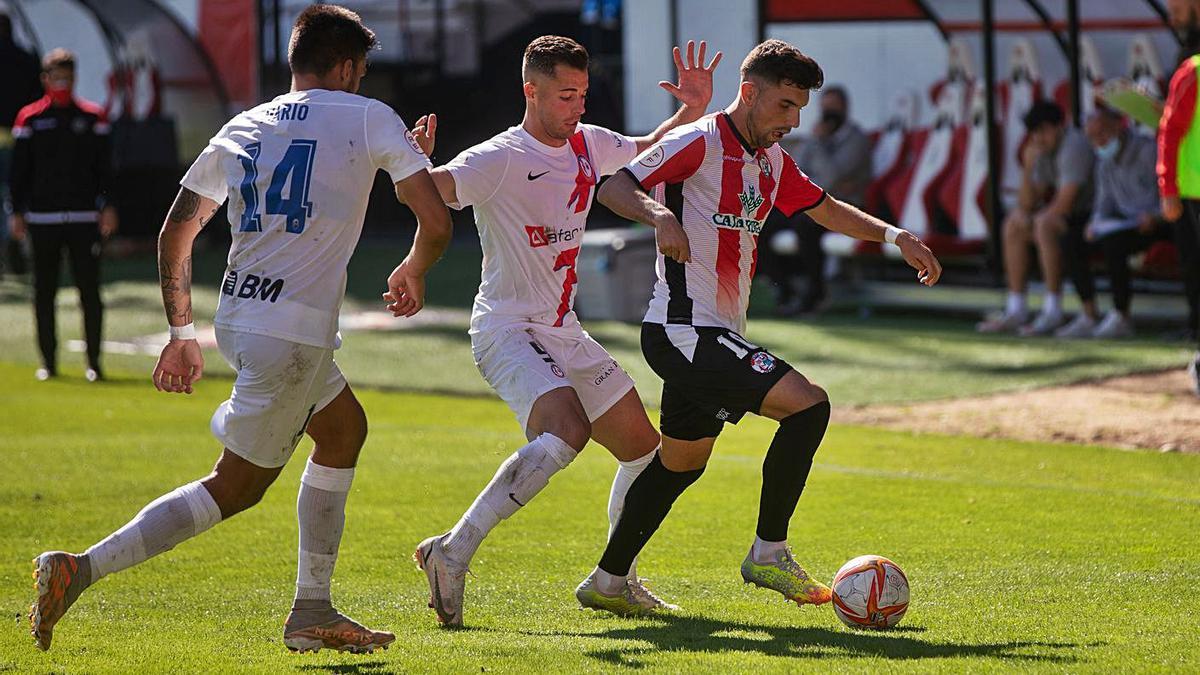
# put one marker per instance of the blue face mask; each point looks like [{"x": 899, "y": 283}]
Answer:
[{"x": 1109, "y": 149}]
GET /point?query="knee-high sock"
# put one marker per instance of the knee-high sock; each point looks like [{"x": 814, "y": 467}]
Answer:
[
  {"x": 646, "y": 505},
  {"x": 321, "y": 515},
  {"x": 785, "y": 470},
  {"x": 518, "y": 479},
  {"x": 163, "y": 524},
  {"x": 627, "y": 472}
]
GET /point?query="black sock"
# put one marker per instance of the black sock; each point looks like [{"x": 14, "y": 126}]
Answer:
[
  {"x": 646, "y": 505},
  {"x": 786, "y": 468}
]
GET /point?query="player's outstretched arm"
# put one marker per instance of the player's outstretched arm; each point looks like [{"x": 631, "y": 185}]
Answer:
[
  {"x": 406, "y": 285},
  {"x": 625, "y": 197},
  {"x": 181, "y": 364},
  {"x": 842, "y": 217},
  {"x": 694, "y": 91}
]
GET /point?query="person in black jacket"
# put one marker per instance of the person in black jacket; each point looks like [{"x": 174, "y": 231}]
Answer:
[
  {"x": 60, "y": 182},
  {"x": 19, "y": 86}
]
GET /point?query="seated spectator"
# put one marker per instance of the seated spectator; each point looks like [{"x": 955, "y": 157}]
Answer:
[
  {"x": 838, "y": 158},
  {"x": 1125, "y": 220},
  {"x": 1055, "y": 198}
]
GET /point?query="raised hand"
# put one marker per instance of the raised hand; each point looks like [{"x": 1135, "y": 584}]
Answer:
[
  {"x": 424, "y": 133},
  {"x": 695, "y": 79}
]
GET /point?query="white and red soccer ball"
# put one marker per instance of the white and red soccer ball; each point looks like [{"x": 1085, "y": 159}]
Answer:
[{"x": 870, "y": 591}]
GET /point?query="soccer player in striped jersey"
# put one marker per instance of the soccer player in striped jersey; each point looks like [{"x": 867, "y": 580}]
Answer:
[
  {"x": 531, "y": 188},
  {"x": 713, "y": 183}
]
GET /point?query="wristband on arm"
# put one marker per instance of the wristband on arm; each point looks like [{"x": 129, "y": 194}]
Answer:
[{"x": 187, "y": 332}]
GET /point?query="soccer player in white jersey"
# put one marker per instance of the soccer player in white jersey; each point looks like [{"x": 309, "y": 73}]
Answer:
[
  {"x": 531, "y": 187},
  {"x": 298, "y": 173},
  {"x": 716, "y": 180}
]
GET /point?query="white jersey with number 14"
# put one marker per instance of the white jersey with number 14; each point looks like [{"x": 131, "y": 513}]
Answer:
[{"x": 298, "y": 172}]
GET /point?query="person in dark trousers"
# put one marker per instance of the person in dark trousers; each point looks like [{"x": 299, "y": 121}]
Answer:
[
  {"x": 1125, "y": 220},
  {"x": 837, "y": 155},
  {"x": 1179, "y": 163},
  {"x": 19, "y": 86},
  {"x": 60, "y": 182}
]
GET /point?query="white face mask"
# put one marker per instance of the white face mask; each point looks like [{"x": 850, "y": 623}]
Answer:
[{"x": 1109, "y": 149}]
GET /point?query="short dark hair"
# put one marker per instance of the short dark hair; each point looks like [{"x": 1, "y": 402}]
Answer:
[
  {"x": 5, "y": 25},
  {"x": 324, "y": 36},
  {"x": 1041, "y": 113},
  {"x": 548, "y": 51},
  {"x": 776, "y": 61},
  {"x": 58, "y": 58}
]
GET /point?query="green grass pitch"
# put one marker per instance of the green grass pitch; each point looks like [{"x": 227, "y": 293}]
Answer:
[{"x": 1021, "y": 556}]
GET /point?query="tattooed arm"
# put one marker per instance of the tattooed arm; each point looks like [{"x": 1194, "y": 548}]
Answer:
[{"x": 181, "y": 362}]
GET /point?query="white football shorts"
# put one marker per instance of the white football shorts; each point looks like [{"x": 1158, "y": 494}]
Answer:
[
  {"x": 280, "y": 385},
  {"x": 522, "y": 361}
]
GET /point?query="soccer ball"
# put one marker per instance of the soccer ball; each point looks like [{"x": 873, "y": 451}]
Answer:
[{"x": 870, "y": 591}]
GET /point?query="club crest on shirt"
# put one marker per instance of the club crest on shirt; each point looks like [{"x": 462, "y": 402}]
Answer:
[
  {"x": 585, "y": 167},
  {"x": 653, "y": 159},
  {"x": 764, "y": 166},
  {"x": 762, "y": 362},
  {"x": 750, "y": 199}
]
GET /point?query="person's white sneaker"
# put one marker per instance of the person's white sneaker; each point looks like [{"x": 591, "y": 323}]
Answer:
[
  {"x": 1044, "y": 324},
  {"x": 1083, "y": 326},
  {"x": 1113, "y": 326}
]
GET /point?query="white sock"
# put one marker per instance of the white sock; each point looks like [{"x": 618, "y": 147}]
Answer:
[
  {"x": 766, "y": 551},
  {"x": 1014, "y": 305},
  {"x": 518, "y": 479},
  {"x": 321, "y": 514},
  {"x": 608, "y": 584},
  {"x": 1052, "y": 305},
  {"x": 164, "y": 523},
  {"x": 627, "y": 472}
]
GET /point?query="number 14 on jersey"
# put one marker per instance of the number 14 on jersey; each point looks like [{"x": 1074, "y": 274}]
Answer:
[{"x": 294, "y": 171}]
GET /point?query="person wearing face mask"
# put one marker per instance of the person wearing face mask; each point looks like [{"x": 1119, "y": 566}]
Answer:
[
  {"x": 1178, "y": 166},
  {"x": 61, "y": 181},
  {"x": 838, "y": 155},
  {"x": 1125, "y": 219}
]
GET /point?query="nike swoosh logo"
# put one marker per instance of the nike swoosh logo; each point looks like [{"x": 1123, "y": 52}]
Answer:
[{"x": 533, "y": 176}]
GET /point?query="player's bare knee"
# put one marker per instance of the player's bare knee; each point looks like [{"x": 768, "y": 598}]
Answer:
[
  {"x": 339, "y": 437},
  {"x": 574, "y": 430},
  {"x": 234, "y": 494}
]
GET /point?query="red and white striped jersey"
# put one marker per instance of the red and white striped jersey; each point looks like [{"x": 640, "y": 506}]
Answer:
[
  {"x": 721, "y": 190},
  {"x": 531, "y": 203}
]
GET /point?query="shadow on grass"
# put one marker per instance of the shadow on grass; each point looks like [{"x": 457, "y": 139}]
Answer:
[
  {"x": 706, "y": 635},
  {"x": 363, "y": 667}
]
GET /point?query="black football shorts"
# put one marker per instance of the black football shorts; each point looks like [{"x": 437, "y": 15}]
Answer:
[{"x": 710, "y": 376}]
